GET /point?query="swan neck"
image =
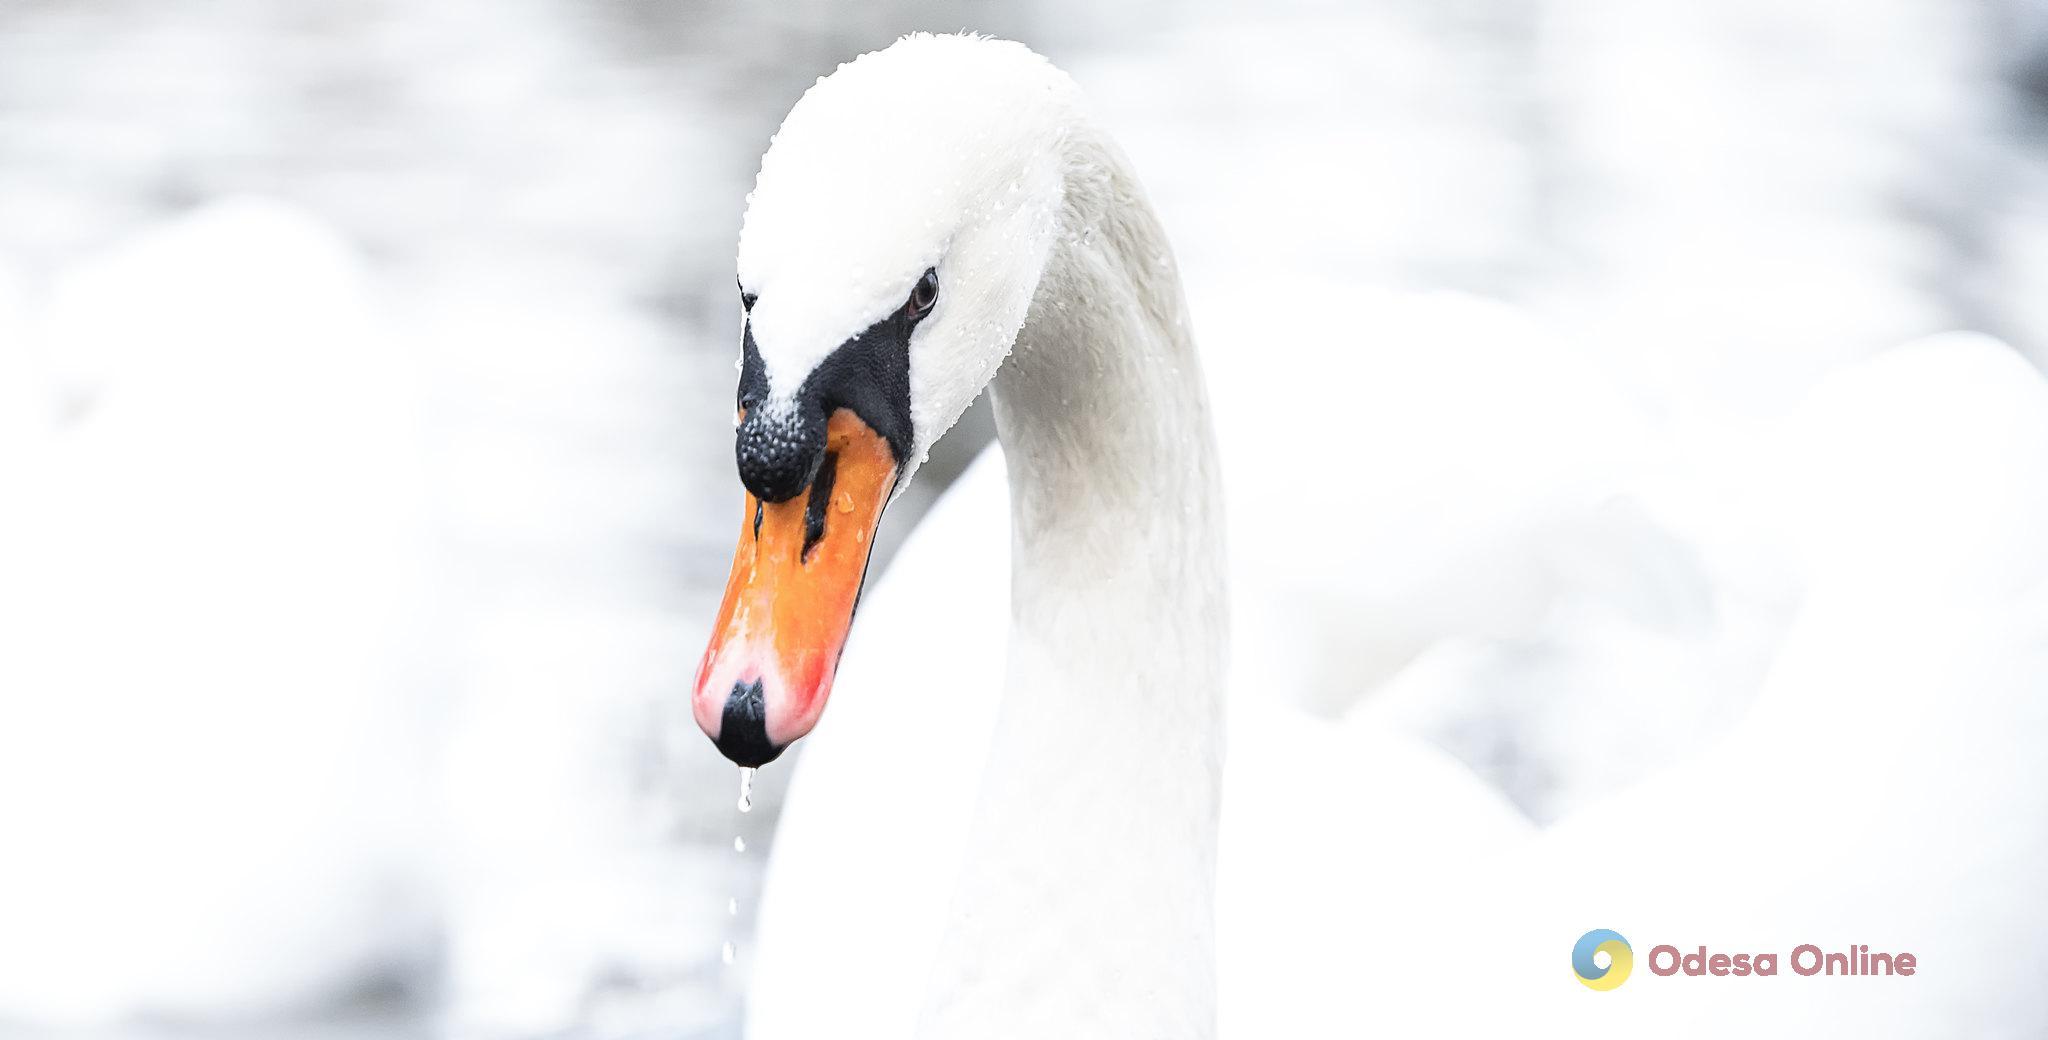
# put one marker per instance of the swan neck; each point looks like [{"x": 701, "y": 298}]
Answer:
[{"x": 1091, "y": 872}]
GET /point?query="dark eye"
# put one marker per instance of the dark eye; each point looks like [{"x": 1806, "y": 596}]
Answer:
[
  {"x": 747, "y": 300},
  {"x": 923, "y": 295}
]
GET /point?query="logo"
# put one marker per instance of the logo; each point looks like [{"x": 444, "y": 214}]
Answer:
[
  {"x": 1667, "y": 960},
  {"x": 1620, "y": 959}
]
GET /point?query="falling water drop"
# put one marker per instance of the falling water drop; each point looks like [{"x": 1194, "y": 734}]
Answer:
[
  {"x": 746, "y": 788},
  {"x": 727, "y": 953},
  {"x": 732, "y": 907},
  {"x": 739, "y": 844}
]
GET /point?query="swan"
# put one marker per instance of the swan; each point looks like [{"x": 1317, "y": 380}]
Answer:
[
  {"x": 1050, "y": 853},
  {"x": 1020, "y": 256},
  {"x": 989, "y": 865},
  {"x": 1046, "y": 790}
]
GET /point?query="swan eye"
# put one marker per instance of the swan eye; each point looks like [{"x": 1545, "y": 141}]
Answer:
[
  {"x": 747, "y": 300},
  {"x": 923, "y": 295}
]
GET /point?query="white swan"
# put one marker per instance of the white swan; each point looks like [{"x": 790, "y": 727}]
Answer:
[
  {"x": 1062, "y": 892},
  {"x": 1073, "y": 895},
  {"x": 1104, "y": 763}
]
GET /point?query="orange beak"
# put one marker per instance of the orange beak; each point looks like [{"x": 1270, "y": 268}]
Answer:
[{"x": 796, "y": 577}]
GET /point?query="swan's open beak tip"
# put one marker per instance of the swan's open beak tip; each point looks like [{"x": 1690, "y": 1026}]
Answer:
[{"x": 796, "y": 577}]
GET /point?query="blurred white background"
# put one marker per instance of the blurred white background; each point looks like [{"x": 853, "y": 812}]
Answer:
[{"x": 365, "y": 387}]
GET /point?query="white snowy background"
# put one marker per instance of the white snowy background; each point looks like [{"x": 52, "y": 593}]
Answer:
[{"x": 365, "y": 375}]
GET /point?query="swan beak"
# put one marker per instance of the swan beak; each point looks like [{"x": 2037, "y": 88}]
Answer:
[{"x": 789, "y": 601}]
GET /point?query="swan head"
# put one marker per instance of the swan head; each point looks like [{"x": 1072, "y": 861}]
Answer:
[{"x": 891, "y": 249}]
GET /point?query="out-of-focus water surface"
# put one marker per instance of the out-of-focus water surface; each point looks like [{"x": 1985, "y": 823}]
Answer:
[{"x": 365, "y": 377}]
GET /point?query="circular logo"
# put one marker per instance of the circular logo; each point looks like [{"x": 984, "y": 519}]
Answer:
[{"x": 1619, "y": 959}]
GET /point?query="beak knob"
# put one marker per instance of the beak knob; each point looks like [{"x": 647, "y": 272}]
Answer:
[{"x": 779, "y": 453}]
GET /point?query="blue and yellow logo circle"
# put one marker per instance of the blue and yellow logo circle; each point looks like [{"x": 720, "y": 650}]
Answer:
[{"x": 1620, "y": 959}]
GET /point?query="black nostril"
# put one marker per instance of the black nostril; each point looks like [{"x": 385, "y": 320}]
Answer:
[
  {"x": 743, "y": 731},
  {"x": 778, "y": 454}
]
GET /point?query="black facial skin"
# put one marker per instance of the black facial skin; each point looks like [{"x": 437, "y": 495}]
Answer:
[
  {"x": 780, "y": 458},
  {"x": 869, "y": 374}
]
